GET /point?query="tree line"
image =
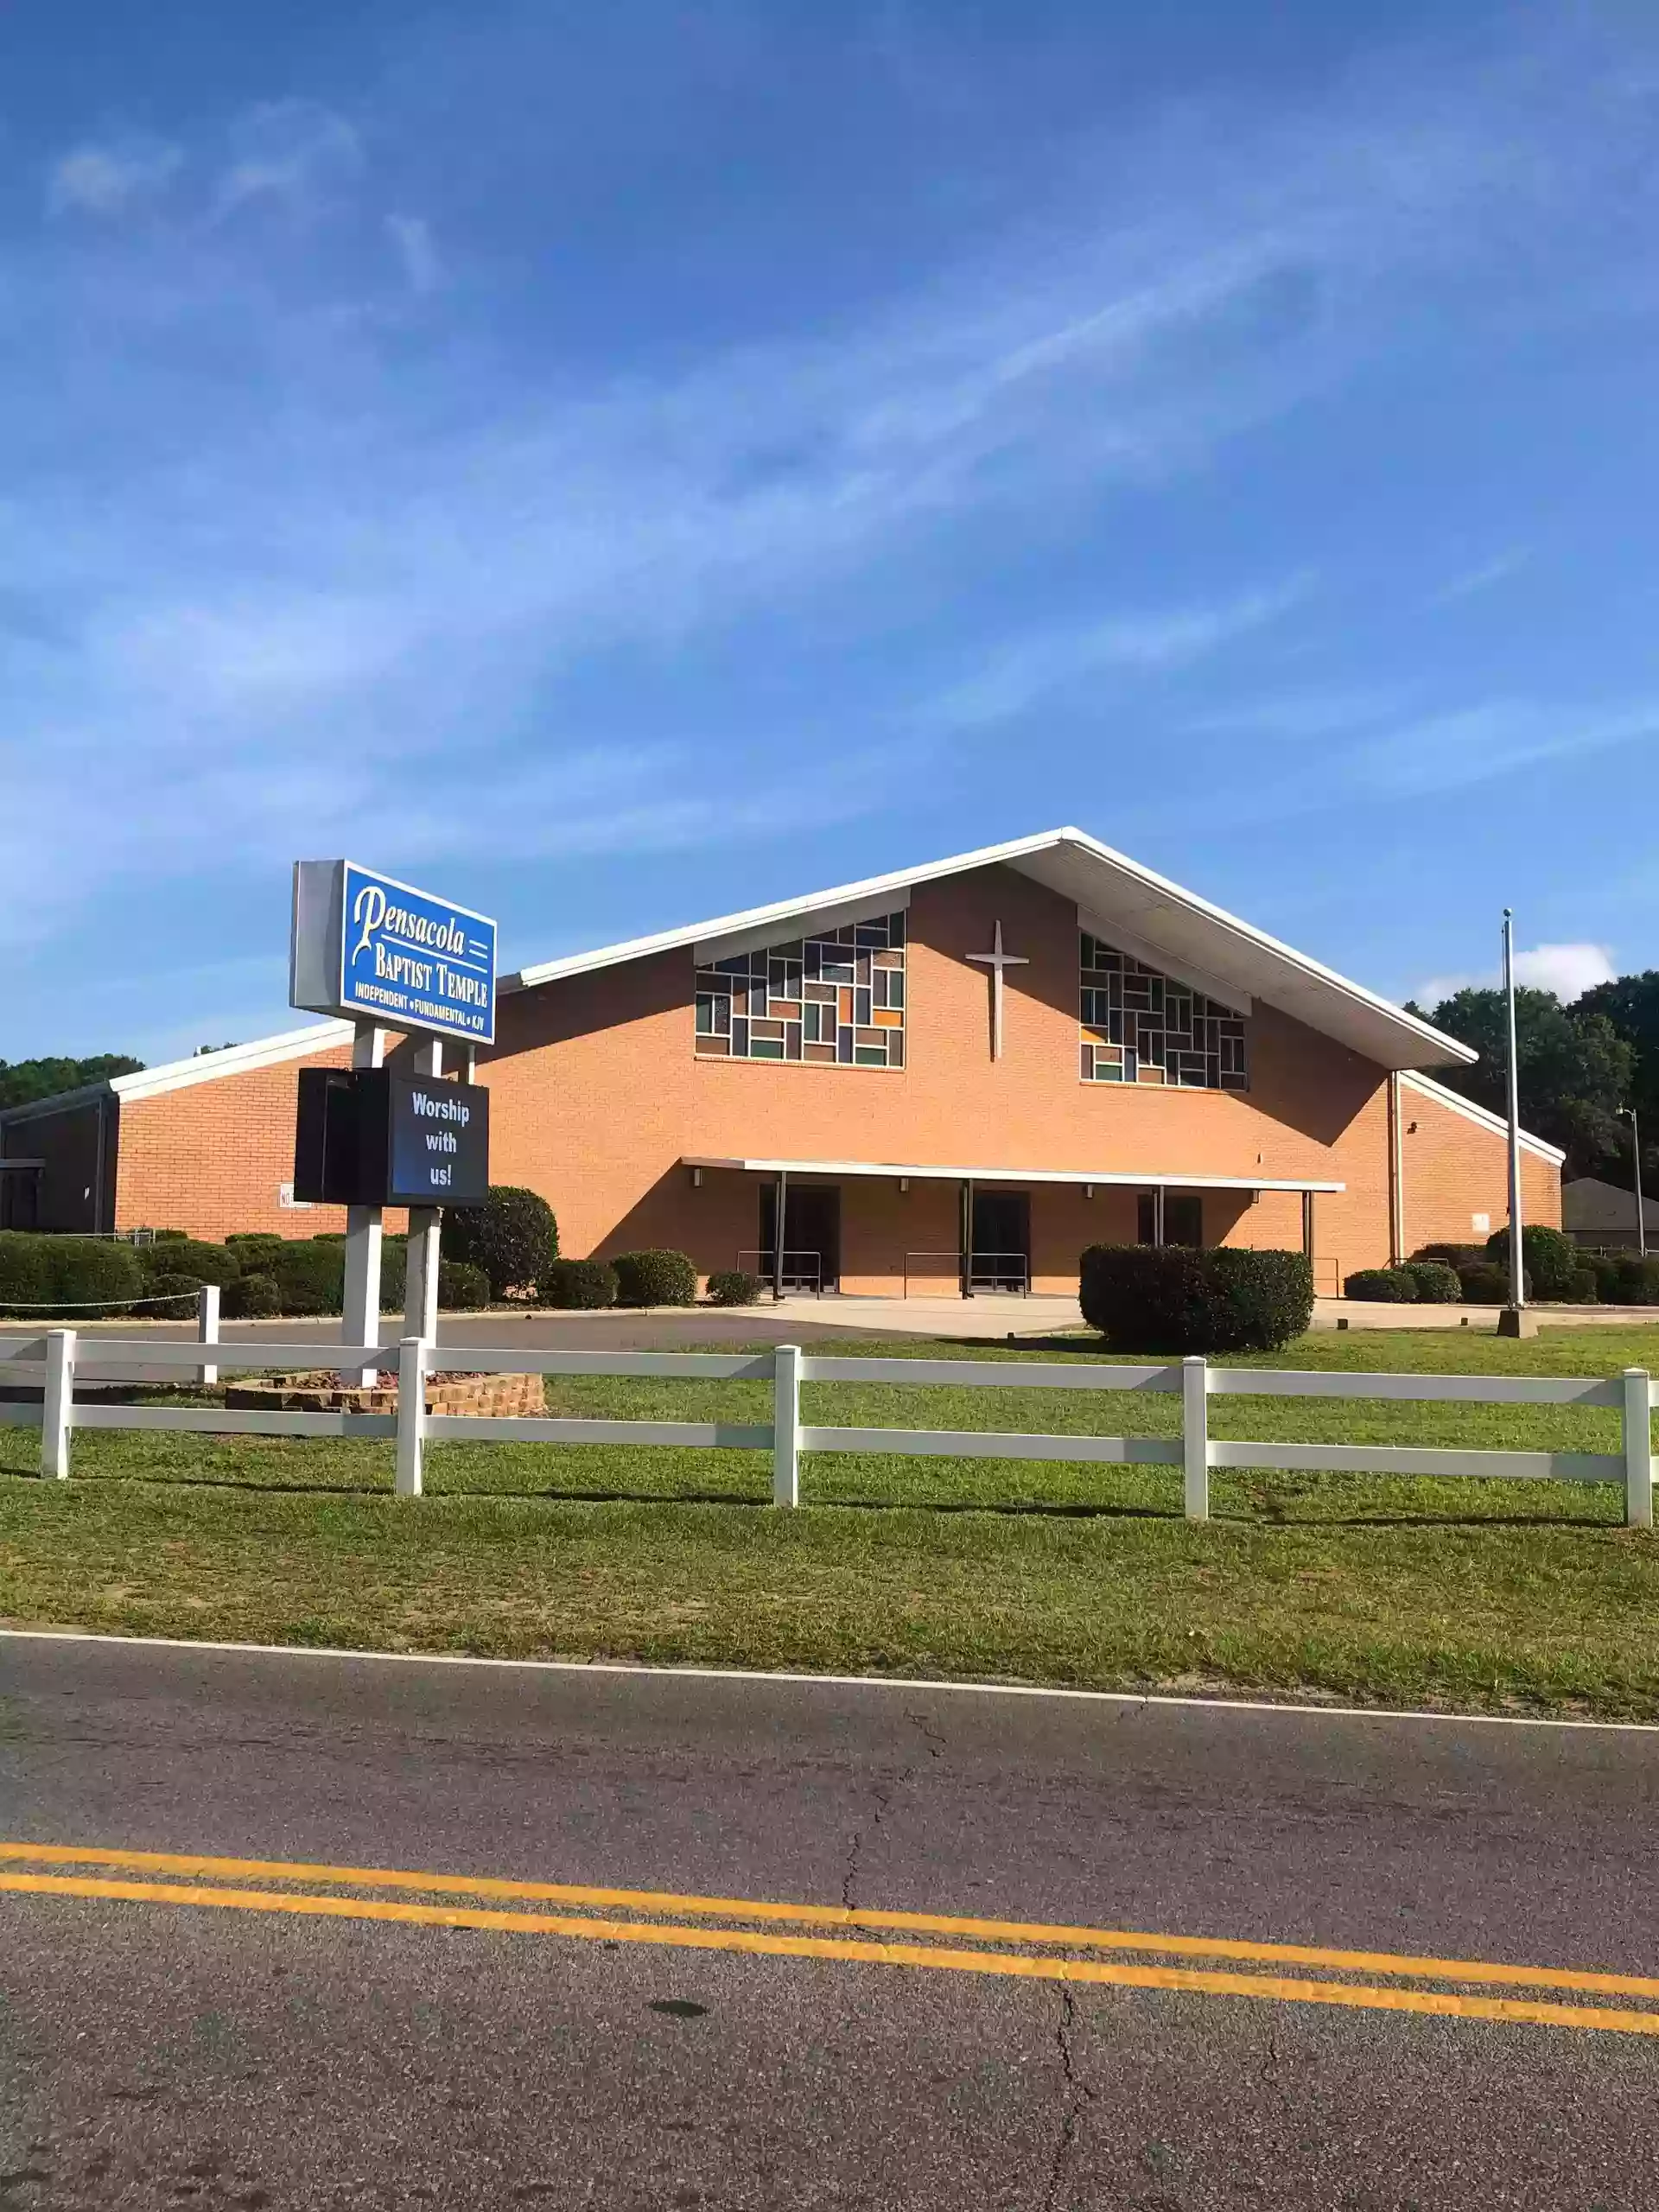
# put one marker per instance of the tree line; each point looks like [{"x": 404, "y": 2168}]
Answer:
[
  {"x": 1580, "y": 1065},
  {"x": 21, "y": 1082}
]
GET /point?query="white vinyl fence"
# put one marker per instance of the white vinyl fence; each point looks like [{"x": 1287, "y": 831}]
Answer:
[{"x": 53, "y": 1359}]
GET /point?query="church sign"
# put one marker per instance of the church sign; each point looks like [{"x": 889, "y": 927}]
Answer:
[{"x": 372, "y": 949}]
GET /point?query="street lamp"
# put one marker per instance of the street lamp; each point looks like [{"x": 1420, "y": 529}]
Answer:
[{"x": 1627, "y": 1113}]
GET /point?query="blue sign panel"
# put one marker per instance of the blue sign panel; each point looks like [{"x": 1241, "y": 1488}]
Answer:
[{"x": 415, "y": 962}]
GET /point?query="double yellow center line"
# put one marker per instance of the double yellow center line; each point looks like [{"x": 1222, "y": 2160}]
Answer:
[{"x": 1033, "y": 1950}]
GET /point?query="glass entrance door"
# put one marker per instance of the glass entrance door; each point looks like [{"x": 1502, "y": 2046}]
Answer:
[
  {"x": 811, "y": 1236},
  {"x": 1000, "y": 1247}
]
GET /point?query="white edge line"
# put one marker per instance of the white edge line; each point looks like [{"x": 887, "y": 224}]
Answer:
[{"x": 905, "y": 1682}]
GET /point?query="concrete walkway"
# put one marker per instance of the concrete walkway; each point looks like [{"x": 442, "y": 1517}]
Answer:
[{"x": 989, "y": 1318}]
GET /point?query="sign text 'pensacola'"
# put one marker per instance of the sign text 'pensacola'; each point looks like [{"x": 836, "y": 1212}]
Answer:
[{"x": 367, "y": 946}]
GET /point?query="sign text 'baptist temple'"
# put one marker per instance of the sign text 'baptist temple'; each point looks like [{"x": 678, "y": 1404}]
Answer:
[{"x": 373, "y": 950}]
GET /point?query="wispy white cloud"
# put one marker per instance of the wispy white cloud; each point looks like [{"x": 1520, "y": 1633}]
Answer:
[
  {"x": 109, "y": 178},
  {"x": 416, "y": 251},
  {"x": 1336, "y": 712},
  {"x": 1497, "y": 570},
  {"x": 1568, "y": 971},
  {"x": 1047, "y": 666},
  {"x": 294, "y": 152},
  {"x": 1471, "y": 745}
]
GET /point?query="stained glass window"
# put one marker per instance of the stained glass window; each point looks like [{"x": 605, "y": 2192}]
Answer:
[
  {"x": 1140, "y": 1027},
  {"x": 837, "y": 998}
]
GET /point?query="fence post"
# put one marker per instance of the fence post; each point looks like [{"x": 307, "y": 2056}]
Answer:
[
  {"x": 1638, "y": 1449},
  {"x": 787, "y": 1425},
  {"x": 58, "y": 1402},
  {"x": 207, "y": 1329},
  {"x": 1195, "y": 1436},
  {"x": 411, "y": 1414}
]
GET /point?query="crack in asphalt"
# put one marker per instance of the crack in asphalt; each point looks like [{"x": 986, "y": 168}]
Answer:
[
  {"x": 881, "y": 1797},
  {"x": 1077, "y": 2094}
]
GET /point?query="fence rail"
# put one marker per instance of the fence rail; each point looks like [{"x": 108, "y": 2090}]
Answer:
[{"x": 54, "y": 1359}]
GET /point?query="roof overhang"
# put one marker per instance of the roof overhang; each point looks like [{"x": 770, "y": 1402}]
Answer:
[
  {"x": 1153, "y": 919},
  {"x": 927, "y": 1171}
]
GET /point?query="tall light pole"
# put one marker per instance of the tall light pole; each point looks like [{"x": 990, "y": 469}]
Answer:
[
  {"x": 1628, "y": 1113},
  {"x": 1515, "y": 1320}
]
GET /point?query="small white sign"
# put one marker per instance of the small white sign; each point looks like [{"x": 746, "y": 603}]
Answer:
[
  {"x": 1481, "y": 1223},
  {"x": 286, "y": 1200}
]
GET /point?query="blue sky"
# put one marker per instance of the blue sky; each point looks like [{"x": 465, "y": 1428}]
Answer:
[{"x": 617, "y": 465}]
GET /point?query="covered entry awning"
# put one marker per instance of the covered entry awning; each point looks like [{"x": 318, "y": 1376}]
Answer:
[
  {"x": 1144, "y": 1178},
  {"x": 972, "y": 1179}
]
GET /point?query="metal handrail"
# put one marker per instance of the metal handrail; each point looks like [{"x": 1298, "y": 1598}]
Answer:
[
  {"x": 764, "y": 1252},
  {"x": 979, "y": 1277}
]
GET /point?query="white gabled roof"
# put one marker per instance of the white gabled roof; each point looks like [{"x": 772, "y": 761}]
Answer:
[
  {"x": 1152, "y": 918},
  {"x": 1144, "y": 913},
  {"x": 201, "y": 1067},
  {"x": 233, "y": 1060},
  {"x": 1481, "y": 1115}
]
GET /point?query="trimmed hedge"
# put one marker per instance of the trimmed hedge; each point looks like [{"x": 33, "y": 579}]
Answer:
[
  {"x": 184, "y": 1290},
  {"x": 1485, "y": 1283},
  {"x": 1552, "y": 1260},
  {"x": 1437, "y": 1282},
  {"x": 578, "y": 1285},
  {"x": 1455, "y": 1256},
  {"x": 513, "y": 1237},
  {"x": 462, "y": 1287},
  {"x": 734, "y": 1287},
  {"x": 81, "y": 1277},
  {"x": 394, "y": 1272},
  {"x": 183, "y": 1255},
  {"x": 257, "y": 1250},
  {"x": 23, "y": 1267},
  {"x": 1624, "y": 1278},
  {"x": 1383, "y": 1285},
  {"x": 1172, "y": 1299},
  {"x": 311, "y": 1278},
  {"x": 252, "y": 1298},
  {"x": 655, "y": 1278}
]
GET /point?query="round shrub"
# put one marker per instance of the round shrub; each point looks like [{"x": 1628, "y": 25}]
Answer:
[
  {"x": 311, "y": 1278},
  {"x": 734, "y": 1287},
  {"x": 1437, "y": 1282},
  {"x": 513, "y": 1237},
  {"x": 1383, "y": 1285},
  {"x": 180, "y": 1290},
  {"x": 252, "y": 1298},
  {"x": 1552, "y": 1261},
  {"x": 394, "y": 1272},
  {"x": 1485, "y": 1283},
  {"x": 1171, "y": 1298},
  {"x": 183, "y": 1256},
  {"x": 584, "y": 1284},
  {"x": 462, "y": 1287},
  {"x": 654, "y": 1278}
]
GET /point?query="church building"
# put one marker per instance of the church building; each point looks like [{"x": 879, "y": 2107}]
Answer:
[{"x": 953, "y": 1078}]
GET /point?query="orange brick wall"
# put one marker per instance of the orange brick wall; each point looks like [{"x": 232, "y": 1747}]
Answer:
[
  {"x": 1452, "y": 1168},
  {"x": 209, "y": 1159},
  {"x": 597, "y": 1094}
]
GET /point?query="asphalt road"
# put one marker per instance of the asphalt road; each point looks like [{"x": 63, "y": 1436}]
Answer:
[{"x": 164, "y": 2053}]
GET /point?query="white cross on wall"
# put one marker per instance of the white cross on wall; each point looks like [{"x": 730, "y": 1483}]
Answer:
[{"x": 996, "y": 960}]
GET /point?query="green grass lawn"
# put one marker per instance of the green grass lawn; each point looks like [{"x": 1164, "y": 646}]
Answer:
[{"x": 1509, "y": 1593}]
